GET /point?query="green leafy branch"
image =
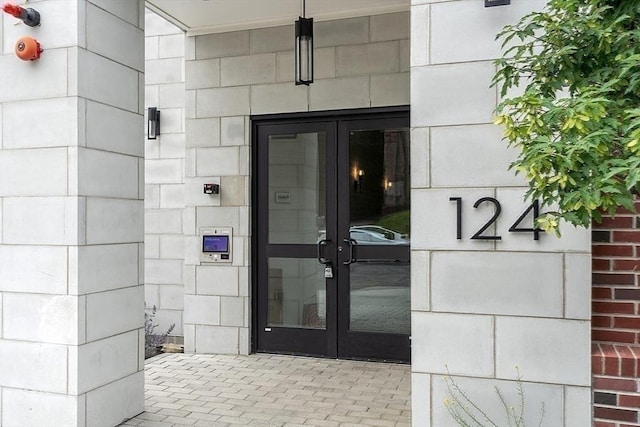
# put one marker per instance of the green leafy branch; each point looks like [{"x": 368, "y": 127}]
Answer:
[{"x": 576, "y": 121}]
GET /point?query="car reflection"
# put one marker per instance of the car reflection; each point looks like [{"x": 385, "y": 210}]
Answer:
[
  {"x": 376, "y": 235},
  {"x": 368, "y": 235}
]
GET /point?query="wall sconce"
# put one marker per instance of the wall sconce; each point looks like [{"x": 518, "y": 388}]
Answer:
[
  {"x": 357, "y": 183},
  {"x": 153, "y": 123},
  {"x": 491, "y": 3},
  {"x": 304, "y": 49}
]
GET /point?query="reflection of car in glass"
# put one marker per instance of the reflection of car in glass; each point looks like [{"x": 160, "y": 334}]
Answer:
[{"x": 376, "y": 235}]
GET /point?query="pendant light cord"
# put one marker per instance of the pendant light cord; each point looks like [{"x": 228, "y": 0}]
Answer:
[{"x": 304, "y": 14}]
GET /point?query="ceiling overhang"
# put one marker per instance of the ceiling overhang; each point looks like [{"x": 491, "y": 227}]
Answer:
[{"x": 198, "y": 17}]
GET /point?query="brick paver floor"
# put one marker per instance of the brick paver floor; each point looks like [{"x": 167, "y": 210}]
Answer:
[{"x": 273, "y": 390}]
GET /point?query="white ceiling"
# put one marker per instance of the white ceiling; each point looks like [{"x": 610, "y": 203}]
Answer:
[{"x": 214, "y": 16}]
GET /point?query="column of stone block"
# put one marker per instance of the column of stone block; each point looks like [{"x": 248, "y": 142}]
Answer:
[
  {"x": 216, "y": 301},
  {"x": 484, "y": 310},
  {"x": 71, "y": 165},
  {"x": 164, "y": 173}
]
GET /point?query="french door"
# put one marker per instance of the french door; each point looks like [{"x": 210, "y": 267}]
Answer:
[{"x": 332, "y": 236}]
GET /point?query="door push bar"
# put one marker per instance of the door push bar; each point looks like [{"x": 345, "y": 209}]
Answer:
[
  {"x": 321, "y": 245},
  {"x": 352, "y": 257}
]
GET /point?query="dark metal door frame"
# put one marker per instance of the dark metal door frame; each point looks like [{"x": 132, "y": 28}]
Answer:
[{"x": 336, "y": 340}]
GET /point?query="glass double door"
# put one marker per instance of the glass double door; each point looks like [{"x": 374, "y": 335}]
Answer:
[{"x": 333, "y": 272}]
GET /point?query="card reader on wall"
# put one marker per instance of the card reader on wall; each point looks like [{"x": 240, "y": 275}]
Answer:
[{"x": 216, "y": 244}]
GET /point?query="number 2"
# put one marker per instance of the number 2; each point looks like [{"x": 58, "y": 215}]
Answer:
[{"x": 496, "y": 214}]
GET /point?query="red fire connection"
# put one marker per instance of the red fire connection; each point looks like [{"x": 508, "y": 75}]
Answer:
[{"x": 29, "y": 16}]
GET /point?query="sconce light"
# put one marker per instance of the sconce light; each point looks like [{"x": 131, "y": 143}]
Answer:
[
  {"x": 491, "y": 3},
  {"x": 304, "y": 49},
  {"x": 357, "y": 184},
  {"x": 153, "y": 123}
]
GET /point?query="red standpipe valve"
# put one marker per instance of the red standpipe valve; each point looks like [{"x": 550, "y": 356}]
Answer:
[{"x": 29, "y": 16}]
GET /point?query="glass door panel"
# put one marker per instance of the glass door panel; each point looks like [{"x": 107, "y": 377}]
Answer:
[
  {"x": 379, "y": 217},
  {"x": 297, "y": 293},
  {"x": 380, "y": 297},
  {"x": 297, "y": 187},
  {"x": 374, "y": 216}
]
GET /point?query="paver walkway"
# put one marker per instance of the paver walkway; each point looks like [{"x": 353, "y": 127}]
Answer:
[{"x": 273, "y": 390}]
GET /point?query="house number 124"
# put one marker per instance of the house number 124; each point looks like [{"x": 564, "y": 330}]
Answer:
[{"x": 515, "y": 228}]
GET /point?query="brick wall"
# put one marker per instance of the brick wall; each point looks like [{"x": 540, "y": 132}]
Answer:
[{"x": 616, "y": 320}]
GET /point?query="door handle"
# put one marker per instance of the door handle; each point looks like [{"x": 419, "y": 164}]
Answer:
[
  {"x": 352, "y": 257},
  {"x": 321, "y": 245}
]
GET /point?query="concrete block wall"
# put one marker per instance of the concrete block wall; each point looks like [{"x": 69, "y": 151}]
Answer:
[
  {"x": 71, "y": 216},
  {"x": 360, "y": 62},
  {"x": 482, "y": 307},
  {"x": 164, "y": 173},
  {"x": 616, "y": 320}
]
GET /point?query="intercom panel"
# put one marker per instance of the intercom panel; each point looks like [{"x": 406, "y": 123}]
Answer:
[{"x": 216, "y": 244}]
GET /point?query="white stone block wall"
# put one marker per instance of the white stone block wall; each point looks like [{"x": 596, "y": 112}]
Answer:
[
  {"x": 164, "y": 173},
  {"x": 71, "y": 216},
  {"x": 359, "y": 62},
  {"x": 482, "y": 307}
]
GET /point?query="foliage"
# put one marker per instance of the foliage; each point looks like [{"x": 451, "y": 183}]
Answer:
[
  {"x": 152, "y": 340},
  {"x": 577, "y": 124},
  {"x": 397, "y": 221},
  {"x": 466, "y": 413}
]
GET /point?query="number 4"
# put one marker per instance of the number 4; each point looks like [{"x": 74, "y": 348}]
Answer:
[{"x": 535, "y": 230}]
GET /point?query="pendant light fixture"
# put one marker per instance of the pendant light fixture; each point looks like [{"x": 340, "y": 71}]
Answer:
[{"x": 304, "y": 49}]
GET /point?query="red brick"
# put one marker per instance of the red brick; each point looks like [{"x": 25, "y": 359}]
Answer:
[
  {"x": 608, "y": 335},
  {"x": 622, "y": 211},
  {"x": 603, "y": 424},
  {"x": 613, "y": 307},
  {"x": 614, "y": 384},
  {"x": 626, "y": 265},
  {"x": 602, "y": 321},
  {"x": 613, "y": 279},
  {"x": 615, "y": 414},
  {"x": 598, "y": 292},
  {"x": 627, "y": 236},
  {"x": 612, "y": 250},
  {"x": 629, "y": 294},
  {"x": 611, "y": 366},
  {"x": 629, "y": 401},
  {"x": 617, "y": 222},
  {"x": 600, "y": 264},
  {"x": 627, "y": 362},
  {"x": 627, "y": 368},
  {"x": 626, "y": 322}
]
